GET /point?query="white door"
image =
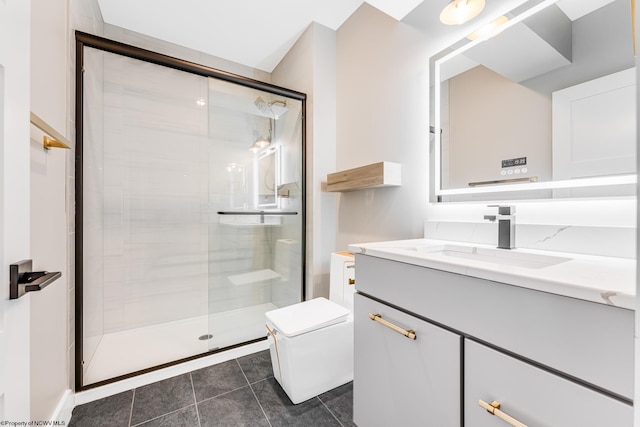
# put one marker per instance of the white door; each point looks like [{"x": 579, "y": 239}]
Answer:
[
  {"x": 14, "y": 205},
  {"x": 594, "y": 127}
]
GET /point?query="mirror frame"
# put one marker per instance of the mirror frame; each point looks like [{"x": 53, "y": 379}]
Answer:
[{"x": 503, "y": 188}]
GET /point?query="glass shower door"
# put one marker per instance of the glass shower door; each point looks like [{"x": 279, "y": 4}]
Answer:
[
  {"x": 145, "y": 186},
  {"x": 191, "y": 220},
  {"x": 255, "y": 210}
]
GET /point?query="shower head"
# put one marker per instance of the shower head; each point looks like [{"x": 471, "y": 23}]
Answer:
[
  {"x": 273, "y": 113},
  {"x": 266, "y": 110},
  {"x": 263, "y": 106},
  {"x": 269, "y": 109}
]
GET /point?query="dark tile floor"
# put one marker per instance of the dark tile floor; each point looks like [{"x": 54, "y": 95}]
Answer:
[{"x": 240, "y": 392}]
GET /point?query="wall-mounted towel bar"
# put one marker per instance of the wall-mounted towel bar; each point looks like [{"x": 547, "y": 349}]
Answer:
[
  {"x": 23, "y": 279},
  {"x": 57, "y": 140}
]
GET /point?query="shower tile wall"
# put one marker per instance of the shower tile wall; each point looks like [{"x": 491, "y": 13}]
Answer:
[
  {"x": 149, "y": 228},
  {"x": 155, "y": 193},
  {"x": 94, "y": 210},
  {"x": 165, "y": 170}
]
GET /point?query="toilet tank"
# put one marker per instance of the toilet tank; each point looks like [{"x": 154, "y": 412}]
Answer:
[{"x": 342, "y": 279}]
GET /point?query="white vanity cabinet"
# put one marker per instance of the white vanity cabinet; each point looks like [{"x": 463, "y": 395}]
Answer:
[
  {"x": 400, "y": 380},
  {"x": 549, "y": 360}
]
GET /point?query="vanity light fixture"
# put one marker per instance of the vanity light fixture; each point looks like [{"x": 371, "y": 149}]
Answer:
[
  {"x": 460, "y": 11},
  {"x": 492, "y": 29}
]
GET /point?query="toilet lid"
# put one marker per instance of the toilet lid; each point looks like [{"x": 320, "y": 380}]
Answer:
[{"x": 307, "y": 316}]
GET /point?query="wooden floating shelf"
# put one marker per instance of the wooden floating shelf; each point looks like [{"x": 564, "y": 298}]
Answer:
[{"x": 376, "y": 175}]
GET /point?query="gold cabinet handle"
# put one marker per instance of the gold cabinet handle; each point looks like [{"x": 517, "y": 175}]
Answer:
[
  {"x": 494, "y": 409},
  {"x": 352, "y": 281},
  {"x": 409, "y": 333}
]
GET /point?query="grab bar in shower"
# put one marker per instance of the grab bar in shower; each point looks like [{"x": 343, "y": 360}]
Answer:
[
  {"x": 257, "y": 213},
  {"x": 261, "y": 214}
]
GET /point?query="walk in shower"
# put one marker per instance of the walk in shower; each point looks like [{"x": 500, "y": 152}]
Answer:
[{"x": 190, "y": 209}]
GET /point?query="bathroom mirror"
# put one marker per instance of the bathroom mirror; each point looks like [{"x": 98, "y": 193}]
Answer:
[
  {"x": 267, "y": 167},
  {"x": 544, "y": 106}
]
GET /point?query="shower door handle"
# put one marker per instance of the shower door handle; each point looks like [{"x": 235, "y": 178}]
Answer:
[{"x": 256, "y": 213}]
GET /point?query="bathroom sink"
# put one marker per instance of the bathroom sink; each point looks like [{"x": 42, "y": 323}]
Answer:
[{"x": 495, "y": 256}]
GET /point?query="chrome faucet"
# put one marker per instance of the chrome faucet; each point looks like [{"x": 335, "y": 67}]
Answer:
[{"x": 506, "y": 225}]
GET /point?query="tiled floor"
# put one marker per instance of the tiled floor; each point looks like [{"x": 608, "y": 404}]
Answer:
[{"x": 240, "y": 392}]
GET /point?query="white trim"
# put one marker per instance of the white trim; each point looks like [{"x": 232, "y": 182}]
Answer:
[
  {"x": 169, "y": 372},
  {"x": 62, "y": 413}
]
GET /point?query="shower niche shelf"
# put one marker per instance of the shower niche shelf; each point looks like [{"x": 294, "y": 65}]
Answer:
[{"x": 375, "y": 175}]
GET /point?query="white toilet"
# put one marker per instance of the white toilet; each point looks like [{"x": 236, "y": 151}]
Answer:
[{"x": 311, "y": 343}]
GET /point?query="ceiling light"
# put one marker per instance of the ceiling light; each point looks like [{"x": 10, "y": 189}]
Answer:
[
  {"x": 492, "y": 29},
  {"x": 460, "y": 11},
  {"x": 233, "y": 167},
  {"x": 259, "y": 144},
  {"x": 201, "y": 102}
]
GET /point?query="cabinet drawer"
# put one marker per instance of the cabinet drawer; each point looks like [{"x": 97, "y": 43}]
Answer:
[
  {"x": 573, "y": 336},
  {"x": 399, "y": 381},
  {"x": 531, "y": 395}
]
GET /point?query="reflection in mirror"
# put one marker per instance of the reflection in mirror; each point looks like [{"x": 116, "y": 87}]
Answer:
[
  {"x": 548, "y": 104},
  {"x": 236, "y": 182},
  {"x": 267, "y": 173}
]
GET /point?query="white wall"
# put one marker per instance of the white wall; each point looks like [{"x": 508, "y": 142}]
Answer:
[
  {"x": 49, "y": 100},
  {"x": 14, "y": 205},
  {"x": 382, "y": 105},
  {"x": 310, "y": 67}
]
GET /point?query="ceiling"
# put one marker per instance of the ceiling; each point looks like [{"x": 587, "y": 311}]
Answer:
[{"x": 258, "y": 33}]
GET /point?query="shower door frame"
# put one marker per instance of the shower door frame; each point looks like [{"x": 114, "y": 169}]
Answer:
[{"x": 100, "y": 43}]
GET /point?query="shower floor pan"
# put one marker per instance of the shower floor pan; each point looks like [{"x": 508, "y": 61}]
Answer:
[{"x": 124, "y": 352}]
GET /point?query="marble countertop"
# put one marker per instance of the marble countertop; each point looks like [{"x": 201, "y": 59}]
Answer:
[{"x": 600, "y": 279}]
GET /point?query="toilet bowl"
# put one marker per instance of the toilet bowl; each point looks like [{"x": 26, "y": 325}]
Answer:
[{"x": 311, "y": 343}]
